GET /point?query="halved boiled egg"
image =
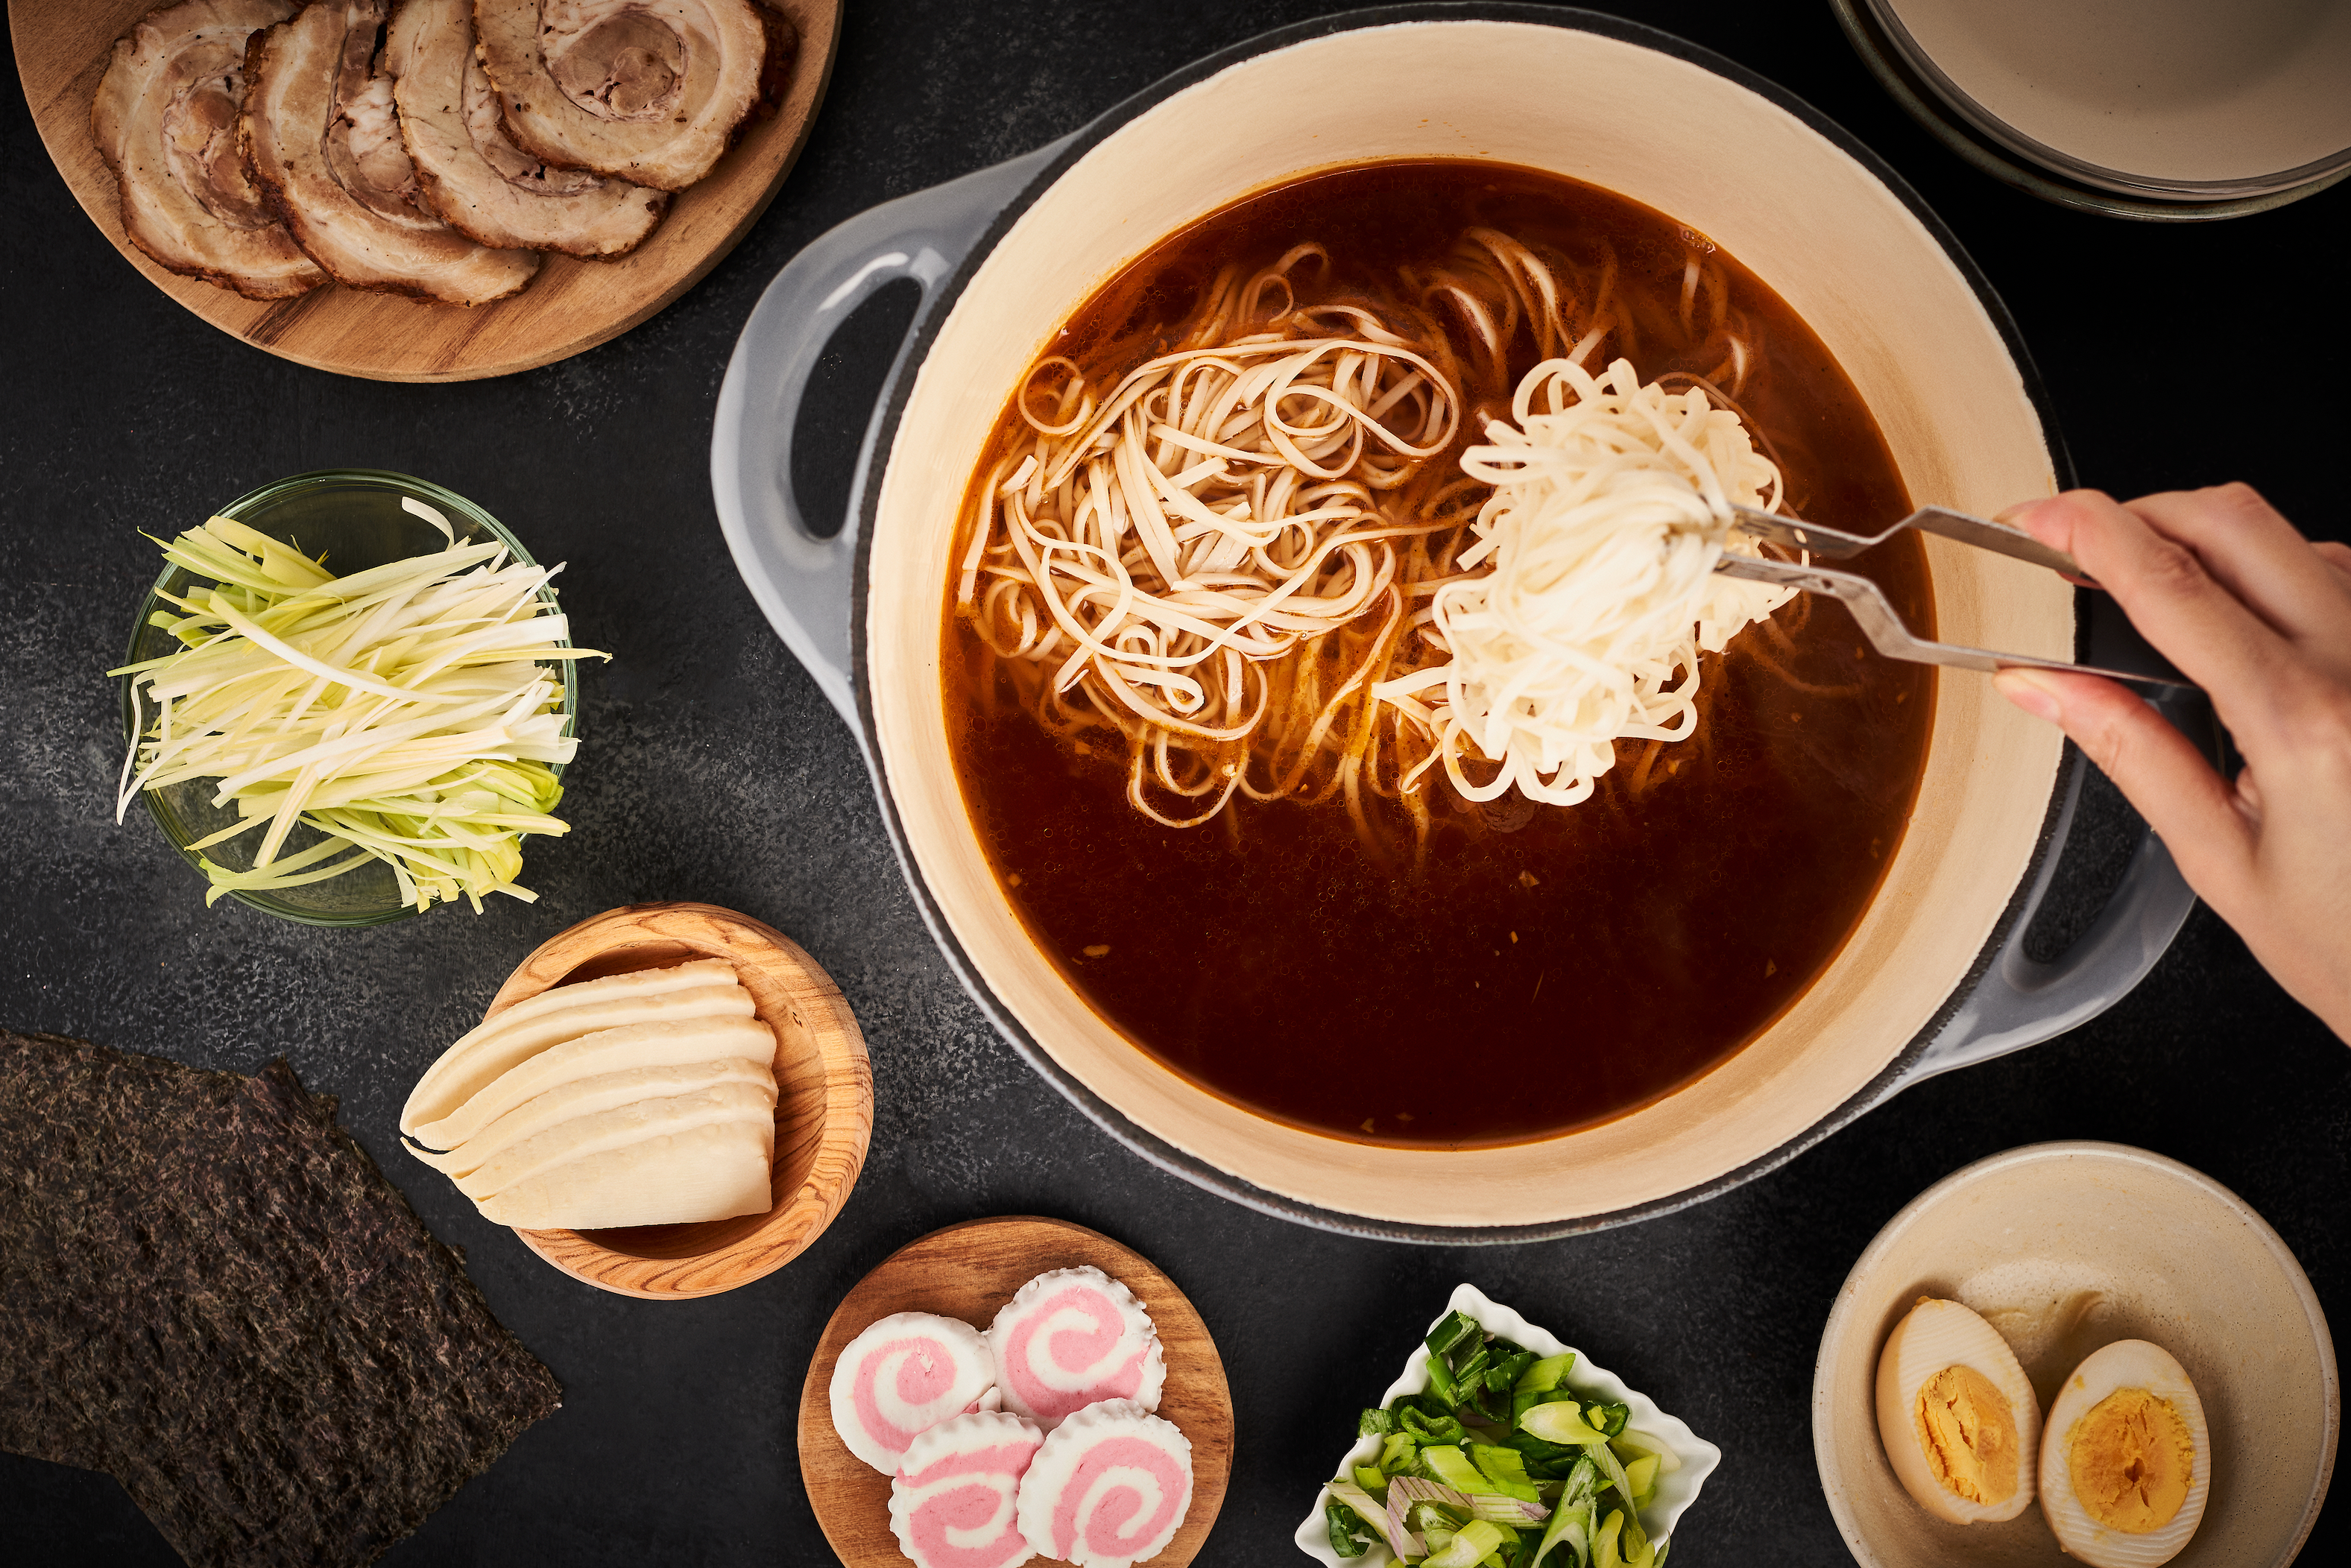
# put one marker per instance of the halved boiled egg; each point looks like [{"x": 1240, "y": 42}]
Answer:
[
  {"x": 1958, "y": 1419},
  {"x": 2126, "y": 1463}
]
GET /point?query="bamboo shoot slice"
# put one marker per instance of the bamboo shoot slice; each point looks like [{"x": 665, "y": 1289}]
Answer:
[
  {"x": 477, "y": 1061},
  {"x": 568, "y": 1142},
  {"x": 594, "y": 1054},
  {"x": 585, "y": 1096},
  {"x": 713, "y": 1171}
]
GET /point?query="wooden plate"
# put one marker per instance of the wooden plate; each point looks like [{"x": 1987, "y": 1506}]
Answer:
[
  {"x": 968, "y": 1272},
  {"x": 824, "y": 1099},
  {"x": 62, "y": 49}
]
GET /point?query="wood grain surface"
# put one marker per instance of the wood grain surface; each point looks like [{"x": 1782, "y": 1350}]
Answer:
[
  {"x": 824, "y": 1099},
  {"x": 62, "y": 49},
  {"x": 968, "y": 1272}
]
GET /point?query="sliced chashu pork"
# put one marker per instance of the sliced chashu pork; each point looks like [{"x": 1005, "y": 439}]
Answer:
[
  {"x": 647, "y": 91},
  {"x": 165, "y": 121},
  {"x": 322, "y": 137},
  {"x": 467, "y": 171}
]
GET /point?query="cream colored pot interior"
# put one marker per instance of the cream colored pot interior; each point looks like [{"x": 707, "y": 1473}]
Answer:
[{"x": 1837, "y": 246}]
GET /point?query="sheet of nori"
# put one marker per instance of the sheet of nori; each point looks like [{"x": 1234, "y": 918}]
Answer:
[{"x": 207, "y": 1288}]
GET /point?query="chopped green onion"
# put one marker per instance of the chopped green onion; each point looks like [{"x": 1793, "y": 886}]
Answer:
[
  {"x": 1378, "y": 1517},
  {"x": 1635, "y": 1545},
  {"x": 1345, "y": 1537},
  {"x": 1640, "y": 1443},
  {"x": 1440, "y": 1379},
  {"x": 1470, "y": 1546},
  {"x": 1425, "y": 1428},
  {"x": 1571, "y": 1519},
  {"x": 1603, "y": 1542},
  {"x": 1369, "y": 1478},
  {"x": 1451, "y": 1466},
  {"x": 1641, "y": 1475},
  {"x": 1548, "y": 1374},
  {"x": 1457, "y": 1329},
  {"x": 1505, "y": 1472},
  {"x": 1562, "y": 1421}
]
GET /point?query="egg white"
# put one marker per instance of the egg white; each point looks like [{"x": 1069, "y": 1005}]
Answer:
[
  {"x": 2126, "y": 1364},
  {"x": 1933, "y": 1335}
]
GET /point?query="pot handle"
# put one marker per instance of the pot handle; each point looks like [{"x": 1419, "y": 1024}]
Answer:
[
  {"x": 803, "y": 580},
  {"x": 2020, "y": 1001}
]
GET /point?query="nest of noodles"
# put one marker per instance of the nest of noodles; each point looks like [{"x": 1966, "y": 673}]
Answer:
[{"x": 1250, "y": 558}]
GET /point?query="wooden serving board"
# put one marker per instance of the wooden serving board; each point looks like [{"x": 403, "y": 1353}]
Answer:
[
  {"x": 62, "y": 49},
  {"x": 824, "y": 1098},
  {"x": 968, "y": 1272}
]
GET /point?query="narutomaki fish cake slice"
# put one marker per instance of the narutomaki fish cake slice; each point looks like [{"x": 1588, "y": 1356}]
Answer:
[
  {"x": 955, "y": 1500},
  {"x": 1072, "y": 1338},
  {"x": 904, "y": 1375},
  {"x": 1109, "y": 1487}
]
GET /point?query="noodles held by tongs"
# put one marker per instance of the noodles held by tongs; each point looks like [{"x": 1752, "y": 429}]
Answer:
[{"x": 1611, "y": 505}]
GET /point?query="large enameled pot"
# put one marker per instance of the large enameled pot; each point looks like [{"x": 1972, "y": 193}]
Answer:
[{"x": 1936, "y": 975}]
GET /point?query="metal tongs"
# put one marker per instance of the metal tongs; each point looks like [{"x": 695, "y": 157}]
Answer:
[{"x": 1869, "y": 602}]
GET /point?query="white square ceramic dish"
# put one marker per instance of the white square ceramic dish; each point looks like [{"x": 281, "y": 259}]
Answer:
[{"x": 1676, "y": 1490}]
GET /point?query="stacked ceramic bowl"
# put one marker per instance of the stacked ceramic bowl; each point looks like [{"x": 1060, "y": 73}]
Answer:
[{"x": 2164, "y": 110}]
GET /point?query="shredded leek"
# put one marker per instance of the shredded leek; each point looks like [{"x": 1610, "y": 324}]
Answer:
[{"x": 409, "y": 712}]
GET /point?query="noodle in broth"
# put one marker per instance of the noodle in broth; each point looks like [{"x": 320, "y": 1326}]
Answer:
[{"x": 1214, "y": 570}]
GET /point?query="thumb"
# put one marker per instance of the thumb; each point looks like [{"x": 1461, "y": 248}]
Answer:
[{"x": 2190, "y": 807}]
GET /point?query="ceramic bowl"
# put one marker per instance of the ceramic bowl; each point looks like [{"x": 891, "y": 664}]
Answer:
[
  {"x": 2189, "y": 102},
  {"x": 2194, "y": 113},
  {"x": 824, "y": 1099},
  {"x": 352, "y": 517},
  {"x": 2064, "y": 1248},
  {"x": 1677, "y": 1488}
]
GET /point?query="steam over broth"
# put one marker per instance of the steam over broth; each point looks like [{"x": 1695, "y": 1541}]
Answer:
[{"x": 1529, "y": 968}]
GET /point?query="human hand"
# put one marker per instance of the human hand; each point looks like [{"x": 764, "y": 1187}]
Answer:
[{"x": 2260, "y": 618}]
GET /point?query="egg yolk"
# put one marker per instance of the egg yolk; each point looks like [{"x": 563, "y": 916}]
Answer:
[
  {"x": 1968, "y": 1434},
  {"x": 2131, "y": 1459}
]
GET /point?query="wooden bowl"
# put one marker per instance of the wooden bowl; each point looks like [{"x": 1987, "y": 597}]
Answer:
[
  {"x": 824, "y": 1099},
  {"x": 63, "y": 48},
  {"x": 967, "y": 1271}
]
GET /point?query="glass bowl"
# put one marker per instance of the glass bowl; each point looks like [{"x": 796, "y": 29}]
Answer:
[{"x": 353, "y": 517}]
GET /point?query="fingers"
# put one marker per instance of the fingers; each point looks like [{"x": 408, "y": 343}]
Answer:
[
  {"x": 2191, "y": 808},
  {"x": 2256, "y": 554},
  {"x": 2337, "y": 556},
  {"x": 2197, "y": 622}
]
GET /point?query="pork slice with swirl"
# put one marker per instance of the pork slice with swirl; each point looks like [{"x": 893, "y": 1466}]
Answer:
[
  {"x": 165, "y": 121},
  {"x": 322, "y": 137},
  {"x": 651, "y": 91}
]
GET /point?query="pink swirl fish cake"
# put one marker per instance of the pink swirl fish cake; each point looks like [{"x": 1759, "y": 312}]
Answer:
[
  {"x": 954, "y": 1501},
  {"x": 1109, "y": 1488},
  {"x": 904, "y": 1375},
  {"x": 1073, "y": 1338}
]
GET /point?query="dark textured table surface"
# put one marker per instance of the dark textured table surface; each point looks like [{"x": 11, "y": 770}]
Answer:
[{"x": 2175, "y": 355}]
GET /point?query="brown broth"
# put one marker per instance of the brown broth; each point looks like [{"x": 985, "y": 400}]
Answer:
[{"x": 1547, "y": 968}]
